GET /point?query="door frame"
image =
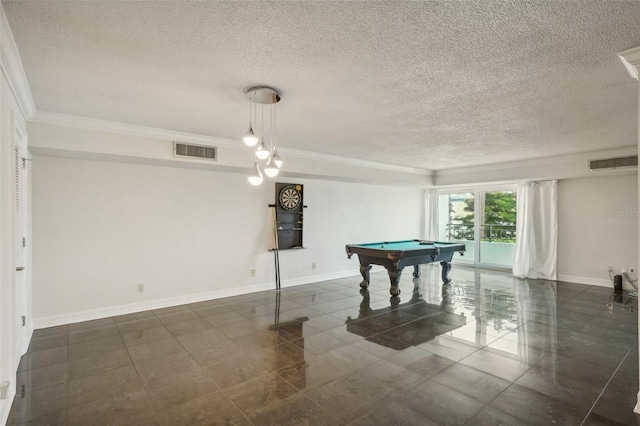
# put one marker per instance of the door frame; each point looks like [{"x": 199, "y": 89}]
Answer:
[
  {"x": 22, "y": 277},
  {"x": 476, "y": 190}
]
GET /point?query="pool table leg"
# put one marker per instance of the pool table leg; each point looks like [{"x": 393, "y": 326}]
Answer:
[
  {"x": 394, "y": 276},
  {"x": 446, "y": 295},
  {"x": 416, "y": 271},
  {"x": 446, "y": 267},
  {"x": 364, "y": 271}
]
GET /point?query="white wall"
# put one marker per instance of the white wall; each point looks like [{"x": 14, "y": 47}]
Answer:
[
  {"x": 101, "y": 227},
  {"x": 597, "y": 227}
]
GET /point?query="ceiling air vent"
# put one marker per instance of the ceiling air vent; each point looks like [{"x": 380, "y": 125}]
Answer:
[
  {"x": 613, "y": 163},
  {"x": 194, "y": 151}
]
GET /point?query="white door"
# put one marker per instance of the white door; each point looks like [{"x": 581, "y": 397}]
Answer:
[{"x": 21, "y": 217}]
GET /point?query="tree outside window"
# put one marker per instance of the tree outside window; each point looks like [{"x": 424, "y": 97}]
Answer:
[{"x": 497, "y": 221}]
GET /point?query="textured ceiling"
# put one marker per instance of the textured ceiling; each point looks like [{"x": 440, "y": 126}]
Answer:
[{"x": 430, "y": 85}]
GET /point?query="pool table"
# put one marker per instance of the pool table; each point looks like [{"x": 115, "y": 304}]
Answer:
[{"x": 395, "y": 255}]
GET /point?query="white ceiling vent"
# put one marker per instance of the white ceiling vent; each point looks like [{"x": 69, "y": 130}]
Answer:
[
  {"x": 202, "y": 152},
  {"x": 613, "y": 163}
]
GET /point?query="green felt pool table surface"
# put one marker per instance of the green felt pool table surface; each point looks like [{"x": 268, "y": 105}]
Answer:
[
  {"x": 404, "y": 245},
  {"x": 404, "y": 249}
]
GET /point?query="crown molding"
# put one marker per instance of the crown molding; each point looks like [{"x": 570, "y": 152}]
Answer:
[
  {"x": 631, "y": 60},
  {"x": 470, "y": 172},
  {"x": 542, "y": 161},
  {"x": 11, "y": 66},
  {"x": 561, "y": 167},
  {"x": 72, "y": 121},
  {"x": 93, "y": 124},
  {"x": 329, "y": 158}
]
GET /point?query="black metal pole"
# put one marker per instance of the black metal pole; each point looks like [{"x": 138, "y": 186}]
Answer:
[{"x": 276, "y": 255}]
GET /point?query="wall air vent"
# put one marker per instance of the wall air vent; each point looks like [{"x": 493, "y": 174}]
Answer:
[
  {"x": 203, "y": 152},
  {"x": 613, "y": 163}
]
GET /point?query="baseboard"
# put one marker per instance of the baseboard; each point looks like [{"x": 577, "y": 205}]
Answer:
[
  {"x": 585, "y": 280},
  {"x": 110, "y": 311},
  {"x": 324, "y": 277}
]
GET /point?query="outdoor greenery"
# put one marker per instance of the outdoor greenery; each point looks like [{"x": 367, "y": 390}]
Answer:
[
  {"x": 498, "y": 221},
  {"x": 499, "y": 209}
]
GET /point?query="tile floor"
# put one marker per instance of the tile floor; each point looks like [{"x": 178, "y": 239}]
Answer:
[{"x": 489, "y": 350}]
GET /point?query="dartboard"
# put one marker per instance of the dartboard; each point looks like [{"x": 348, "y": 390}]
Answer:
[{"x": 289, "y": 197}]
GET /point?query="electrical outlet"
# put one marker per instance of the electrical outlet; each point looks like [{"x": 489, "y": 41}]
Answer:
[
  {"x": 610, "y": 268},
  {"x": 253, "y": 272},
  {"x": 313, "y": 266},
  {"x": 140, "y": 288}
]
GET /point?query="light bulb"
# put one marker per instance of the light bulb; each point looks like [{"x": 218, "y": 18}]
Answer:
[
  {"x": 271, "y": 170},
  {"x": 255, "y": 178},
  {"x": 250, "y": 138},
  {"x": 262, "y": 152},
  {"x": 276, "y": 158}
]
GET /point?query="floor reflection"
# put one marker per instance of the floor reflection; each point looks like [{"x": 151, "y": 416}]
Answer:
[
  {"x": 623, "y": 300},
  {"x": 485, "y": 349},
  {"x": 423, "y": 321},
  {"x": 517, "y": 320},
  {"x": 290, "y": 330}
]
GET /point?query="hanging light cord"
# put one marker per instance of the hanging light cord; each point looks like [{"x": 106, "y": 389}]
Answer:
[{"x": 273, "y": 136}]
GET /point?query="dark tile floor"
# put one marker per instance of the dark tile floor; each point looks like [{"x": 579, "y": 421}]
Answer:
[{"x": 489, "y": 350}]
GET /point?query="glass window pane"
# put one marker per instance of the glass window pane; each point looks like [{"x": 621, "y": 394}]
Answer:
[
  {"x": 457, "y": 221},
  {"x": 497, "y": 227}
]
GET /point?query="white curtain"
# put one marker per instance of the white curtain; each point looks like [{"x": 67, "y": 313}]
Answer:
[
  {"x": 536, "y": 230},
  {"x": 431, "y": 213}
]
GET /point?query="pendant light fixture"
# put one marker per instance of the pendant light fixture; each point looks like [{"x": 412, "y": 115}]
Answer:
[
  {"x": 250, "y": 138},
  {"x": 255, "y": 178},
  {"x": 269, "y": 96},
  {"x": 276, "y": 158},
  {"x": 272, "y": 168},
  {"x": 262, "y": 152}
]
